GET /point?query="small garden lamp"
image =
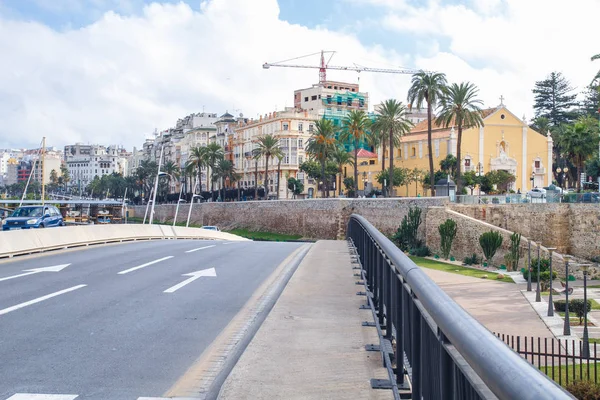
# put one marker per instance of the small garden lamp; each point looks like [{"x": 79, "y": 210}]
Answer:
[
  {"x": 586, "y": 340},
  {"x": 538, "y": 296}
]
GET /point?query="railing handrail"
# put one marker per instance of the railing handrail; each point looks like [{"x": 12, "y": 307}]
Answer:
[{"x": 504, "y": 372}]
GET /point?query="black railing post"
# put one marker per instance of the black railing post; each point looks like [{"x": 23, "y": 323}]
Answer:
[
  {"x": 416, "y": 350},
  {"x": 389, "y": 308},
  {"x": 446, "y": 386},
  {"x": 398, "y": 314},
  {"x": 381, "y": 297}
]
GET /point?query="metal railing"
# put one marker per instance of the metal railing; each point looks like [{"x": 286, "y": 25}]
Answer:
[
  {"x": 444, "y": 351},
  {"x": 513, "y": 198}
]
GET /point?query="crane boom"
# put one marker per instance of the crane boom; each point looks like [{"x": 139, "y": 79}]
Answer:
[{"x": 344, "y": 68}]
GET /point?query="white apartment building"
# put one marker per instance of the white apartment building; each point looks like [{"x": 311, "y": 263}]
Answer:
[
  {"x": 84, "y": 162},
  {"x": 4, "y": 157},
  {"x": 293, "y": 129},
  {"x": 332, "y": 99}
]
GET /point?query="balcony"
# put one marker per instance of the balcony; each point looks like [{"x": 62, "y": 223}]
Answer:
[
  {"x": 469, "y": 168},
  {"x": 540, "y": 170}
]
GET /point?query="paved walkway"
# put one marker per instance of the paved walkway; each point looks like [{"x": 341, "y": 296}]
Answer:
[
  {"x": 499, "y": 306},
  {"x": 311, "y": 346}
]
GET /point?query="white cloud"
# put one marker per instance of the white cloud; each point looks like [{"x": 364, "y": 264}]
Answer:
[{"x": 117, "y": 79}]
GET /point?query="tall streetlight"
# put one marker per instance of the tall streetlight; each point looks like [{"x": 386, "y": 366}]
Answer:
[
  {"x": 564, "y": 173},
  {"x": 538, "y": 297},
  {"x": 550, "y": 304},
  {"x": 586, "y": 339},
  {"x": 567, "y": 325},
  {"x": 179, "y": 200},
  {"x": 160, "y": 160},
  {"x": 479, "y": 174},
  {"x": 529, "y": 268},
  {"x": 194, "y": 195}
]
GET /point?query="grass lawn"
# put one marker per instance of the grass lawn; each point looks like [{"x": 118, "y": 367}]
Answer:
[
  {"x": 562, "y": 371},
  {"x": 456, "y": 269},
  {"x": 279, "y": 237}
]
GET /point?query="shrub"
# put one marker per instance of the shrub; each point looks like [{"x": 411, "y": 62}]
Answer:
[
  {"x": 584, "y": 390},
  {"x": 447, "y": 234},
  {"x": 544, "y": 266},
  {"x": 490, "y": 242},
  {"x": 422, "y": 251},
  {"x": 406, "y": 235},
  {"x": 472, "y": 260},
  {"x": 514, "y": 253}
]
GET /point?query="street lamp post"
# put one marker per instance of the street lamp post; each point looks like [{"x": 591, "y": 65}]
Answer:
[
  {"x": 529, "y": 269},
  {"x": 567, "y": 325},
  {"x": 479, "y": 174},
  {"x": 550, "y": 303},
  {"x": 160, "y": 160},
  {"x": 178, "y": 202},
  {"x": 538, "y": 297},
  {"x": 564, "y": 173},
  {"x": 586, "y": 339}
]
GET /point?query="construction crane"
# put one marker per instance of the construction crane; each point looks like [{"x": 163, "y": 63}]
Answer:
[{"x": 325, "y": 66}]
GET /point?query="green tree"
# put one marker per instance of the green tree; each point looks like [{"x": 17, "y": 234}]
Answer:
[
  {"x": 145, "y": 172},
  {"x": 597, "y": 77},
  {"x": 391, "y": 118},
  {"x": 295, "y": 186},
  {"x": 64, "y": 172},
  {"x": 197, "y": 159},
  {"x": 541, "y": 125},
  {"x": 490, "y": 242},
  {"x": 427, "y": 87},
  {"x": 349, "y": 185},
  {"x": 223, "y": 171},
  {"x": 447, "y": 232},
  {"x": 591, "y": 102},
  {"x": 321, "y": 145},
  {"x": 579, "y": 141},
  {"x": 448, "y": 165},
  {"x": 214, "y": 154},
  {"x": 460, "y": 107},
  {"x": 400, "y": 176},
  {"x": 268, "y": 147},
  {"x": 172, "y": 170},
  {"x": 470, "y": 179},
  {"x": 355, "y": 127},
  {"x": 554, "y": 100},
  {"x": 593, "y": 168},
  {"x": 426, "y": 180},
  {"x": 53, "y": 177},
  {"x": 341, "y": 158}
]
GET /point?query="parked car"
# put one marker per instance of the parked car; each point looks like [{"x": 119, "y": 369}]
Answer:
[
  {"x": 27, "y": 217},
  {"x": 211, "y": 228},
  {"x": 537, "y": 193}
]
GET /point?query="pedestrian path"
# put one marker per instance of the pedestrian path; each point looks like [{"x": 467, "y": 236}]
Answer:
[
  {"x": 42, "y": 396},
  {"x": 312, "y": 344}
]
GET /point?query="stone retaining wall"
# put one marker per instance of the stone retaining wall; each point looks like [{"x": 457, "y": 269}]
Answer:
[{"x": 315, "y": 218}]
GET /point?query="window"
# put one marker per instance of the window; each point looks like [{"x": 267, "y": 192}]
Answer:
[
  {"x": 399, "y": 153},
  {"x": 371, "y": 162},
  {"x": 300, "y": 159},
  {"x": 300, "y": 127},
  {"x": 300, "y": 143},
  {"x": 335, "y": 87},
  {"x": 306, "y": 98},
  {"x": 413, "y": 152},
  {"x": 339, "y": 100},
  {"x": 310, "y": 127},
  {"x": 537, "y": 163},
  {"x": 328, "y": 99},
  {"x": 286, "y": 126},
  {"x": 314, "y": 97},
  {"x": 467, "y": 162},
  {"x": 349, "y": 102},
  {"x": 361, "y": 102},
  {"x": 319, "y": 97}
]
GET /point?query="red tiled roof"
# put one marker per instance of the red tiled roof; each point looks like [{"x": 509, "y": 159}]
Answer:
[{"x": 362, "y": 153}]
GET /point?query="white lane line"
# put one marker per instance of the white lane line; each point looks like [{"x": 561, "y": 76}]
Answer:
[
  {"x": 144, "y": 265},
  {"x": 39, "y": 299},
  {"x": 194, "y": 276},
  {"x": 200, "y": 248},
  {"x": 56, "y": 268},
  {"x": 229, "y": 243},
  {"x": 31, "y": 396}
]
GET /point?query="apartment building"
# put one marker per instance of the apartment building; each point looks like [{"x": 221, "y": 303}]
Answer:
[
  {"x": 293, "y": 128},
  {"x": 86, "y": 161}
]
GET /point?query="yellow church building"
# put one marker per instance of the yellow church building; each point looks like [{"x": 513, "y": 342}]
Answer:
[{"x": 504, "y": 142}]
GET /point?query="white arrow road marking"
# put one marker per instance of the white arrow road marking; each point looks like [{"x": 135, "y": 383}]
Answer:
[
  {"x": 229, "y": 243},
  {"x": 144, "y": 265},
  {"x": 40, "y": 299},
  {"x": 200, "y": 248},
  {"x": 31, "y": 396},
  {"x": 56, "y": 268},
  {"x": 194, "y": 276}
]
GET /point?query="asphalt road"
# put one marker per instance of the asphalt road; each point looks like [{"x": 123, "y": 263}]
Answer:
[{"x": 121, "y": 336}]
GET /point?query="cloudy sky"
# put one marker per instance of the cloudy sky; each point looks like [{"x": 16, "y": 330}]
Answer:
[{"x": 111, "y": 71}]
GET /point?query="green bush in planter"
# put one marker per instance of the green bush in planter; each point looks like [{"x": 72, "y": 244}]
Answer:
[
  {"x": 490, "y": 242},
  {"x": 575, "y": 307},
  {"x": 584, "y": 389},
  {"x": 447, "y": 232}
]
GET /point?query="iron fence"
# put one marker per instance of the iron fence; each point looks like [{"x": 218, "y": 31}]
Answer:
[
  {"x": 560, "y": 359},
  {"x": 434, "y": 348}
]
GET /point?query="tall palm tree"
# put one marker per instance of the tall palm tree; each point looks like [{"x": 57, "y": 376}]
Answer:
[
  {"x": 197, "y": 159},
  {"x": 461, "y": 107},
  {"x": 223, "y": 170},
  {"x": 391, "y": 118},
  {"x": 355, "y": 128},
  {"x": 427, "y": 87},
  {"x": 341, "y": 158},
  {"x": 579, "y": 142},
  {"x": 320, "y": 145},
  {"x": 214, "y": 154},
  {"x": 172, "y": 169},
  {"x": 268, "y": 147}
]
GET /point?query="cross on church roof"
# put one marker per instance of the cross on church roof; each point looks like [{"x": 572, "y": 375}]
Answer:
[{"x": 501, "y": 100}]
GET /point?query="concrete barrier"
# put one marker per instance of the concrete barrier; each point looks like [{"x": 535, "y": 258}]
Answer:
[{"x": 29, "y": 241}]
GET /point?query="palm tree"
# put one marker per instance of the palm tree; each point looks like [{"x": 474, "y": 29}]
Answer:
[
  {"x": 341, "y": 157},
  {"x": 268, "y": 146},
  {"x": 355, "y": 126},
  {"x": 391, "y": 118},
  {"x": 197, "y": 160},
  {"x": 597, "y": 77},
  {"x": 223, "y": 170},
  {"x": 460, "y": 106},
  {"x": 214, "y": 154},
  {"x": 579, "y": 142},
  {"x": 427, "y": 87},
  {"x": 172, "y": 170},
  {"x": 320, "y": 145}
]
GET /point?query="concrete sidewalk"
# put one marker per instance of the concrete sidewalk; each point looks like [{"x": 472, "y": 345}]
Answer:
[
  {"x": 311, "y": 346},
  {"x": 499, "y": 306}
]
